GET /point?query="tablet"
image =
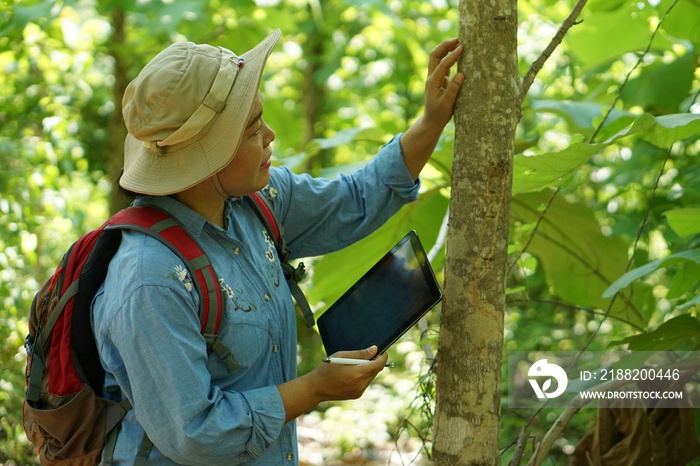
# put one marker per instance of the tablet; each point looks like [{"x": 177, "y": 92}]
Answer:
[{"x": 387, "y": 301}]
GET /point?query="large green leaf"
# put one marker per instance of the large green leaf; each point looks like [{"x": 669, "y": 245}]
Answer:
[
  {"x": 688, "y": 304},
  {"x": 335, "y": 273},
  {"x": 681, "y": 332},
  {"x": 685, "y": 222},
  {"x": 535, "y": 172},
  {"x": 684, "y": 22},
  {"x": 532, "y": 173},
  {"x": 605, "y": 35},
  {"x": 635, "y": 274},
  {"x": 685, "y": 279},
  {"x": 663, "y": 131},
  {"x": 579, "y": 115},
  {"x": 578, "y": 260},
  {"x": 662, "y": 86},
  {"x": 37, "y": 12}
]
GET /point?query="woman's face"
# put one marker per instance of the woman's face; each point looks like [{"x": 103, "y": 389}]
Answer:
[{"x": 249, "y": 171}]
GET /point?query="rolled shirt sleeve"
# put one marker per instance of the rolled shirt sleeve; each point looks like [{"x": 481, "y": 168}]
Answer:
[{"x": 321, "y": 215}]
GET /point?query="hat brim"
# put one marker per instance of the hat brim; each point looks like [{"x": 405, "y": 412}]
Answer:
[{"x": 147, "y": 172}]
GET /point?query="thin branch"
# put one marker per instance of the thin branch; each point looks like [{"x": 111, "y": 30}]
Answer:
[
  {"x": 534, "y": 230},
  {"x": 519, "y": 448},
  {"x": 547, "y": 52}
]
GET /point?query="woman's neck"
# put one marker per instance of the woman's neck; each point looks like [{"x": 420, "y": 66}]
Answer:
[{"x": 204, "y": 199}]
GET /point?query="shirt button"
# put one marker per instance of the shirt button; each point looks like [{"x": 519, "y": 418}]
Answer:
[
  {"x": 267, "y": 297},
  {"x": 290, "y": 456},
  {"x": 236, "y": 250},
  {"x": 275, "y": 348}
]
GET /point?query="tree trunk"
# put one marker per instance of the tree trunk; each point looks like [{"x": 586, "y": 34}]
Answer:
[
  {"x": 471, "y": 328},
  {"x": 117, "y": 129},
  {"x": 314, "y": 92}
]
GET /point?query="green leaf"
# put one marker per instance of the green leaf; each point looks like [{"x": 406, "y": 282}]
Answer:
[
  {"x": 683, "y": 23},
  {"x": 579, "y": 262},
  {"x": 668, "y": 336},
  {"x": 605, "y": 5},
  {"x": 579, "y": 115},
  {"x": 38, "y": 13},
  {"x": 335, "y": 273},
  {"x": 345, "y": 137},
  {"x": 635, "y": 274},
  {"x": 686, "y": 278},
  {"x": 692, "y": 302},
  {"x": 663, "y": 131},
  {"x": 607, "y": 35},
  {"x": 662, "y": 86},
  {"x": 535, "y": 172},
  {"x": 532, "y": 173},
  {"x": 685, "y": 222}
]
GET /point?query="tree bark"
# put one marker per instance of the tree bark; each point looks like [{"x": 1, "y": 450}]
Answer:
[
  {"x": 117, "y": 129},
  {"x": 314, "y": 91},
  {"x": 471, "y": 329}
]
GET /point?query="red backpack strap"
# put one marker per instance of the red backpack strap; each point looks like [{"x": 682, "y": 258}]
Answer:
[
  {"x": 293, "y": 275},
  {"x": 161, "y": 226}
]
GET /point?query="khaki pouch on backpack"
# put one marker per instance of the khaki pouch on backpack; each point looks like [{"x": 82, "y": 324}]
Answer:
[{"x": 68, "y": 432}]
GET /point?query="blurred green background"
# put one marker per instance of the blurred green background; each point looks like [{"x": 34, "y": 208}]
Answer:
[{"x": 611, "y": 123}]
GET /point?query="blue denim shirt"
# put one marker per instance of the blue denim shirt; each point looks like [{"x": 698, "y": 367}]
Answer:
[{"x": 147, "y": 329}]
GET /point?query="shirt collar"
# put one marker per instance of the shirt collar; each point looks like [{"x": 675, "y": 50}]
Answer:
[{"x": 192, "y": 221}]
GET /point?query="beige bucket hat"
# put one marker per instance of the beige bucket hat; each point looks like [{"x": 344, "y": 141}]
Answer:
[{"x": 186, "y": 112}]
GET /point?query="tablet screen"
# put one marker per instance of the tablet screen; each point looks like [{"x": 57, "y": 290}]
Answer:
[{"x": 388, "y": 300}]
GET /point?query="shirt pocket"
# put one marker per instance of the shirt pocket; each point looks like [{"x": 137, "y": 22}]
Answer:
[{"x": 249, "y": 338}]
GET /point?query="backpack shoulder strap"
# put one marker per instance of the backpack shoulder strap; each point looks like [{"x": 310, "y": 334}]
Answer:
[
  {"x": 160, "y": 225},
  {"x": 293, "y": 275}
]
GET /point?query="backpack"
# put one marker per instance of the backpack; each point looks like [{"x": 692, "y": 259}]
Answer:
[{"x": 63, "y": 415}]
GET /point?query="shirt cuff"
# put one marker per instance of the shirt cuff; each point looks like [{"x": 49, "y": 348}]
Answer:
[
  {"x": 393, "y": 170},
  {"x": 268, "y": 416}
]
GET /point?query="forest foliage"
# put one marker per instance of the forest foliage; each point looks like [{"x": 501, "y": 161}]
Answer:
[{"x": 605, "y": 225}]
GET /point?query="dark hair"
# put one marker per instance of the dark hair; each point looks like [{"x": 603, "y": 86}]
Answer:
[{"x": 123, "y": 192}]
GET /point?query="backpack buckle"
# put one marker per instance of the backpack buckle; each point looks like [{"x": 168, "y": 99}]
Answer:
[{"x": 293, "y": 274}]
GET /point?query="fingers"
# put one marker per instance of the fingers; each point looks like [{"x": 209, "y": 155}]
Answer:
[
  {"x": 438, "y": 77},
  {"x": 453, "y": 86},
  {"x": 440, "y": 52},
  {"x": 366, "y": 354},
  {"x": 346, "y": 382},
  {"x": 441, "y": 91}
]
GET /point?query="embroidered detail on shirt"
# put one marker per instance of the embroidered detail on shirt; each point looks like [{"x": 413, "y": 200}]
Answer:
[
  {"x": 181, "y": 275},
  {"x": 236, "y": 301},
  {"x": 270, "y": 267},
  {"x": 225, "y": 288},
  {"x": 271, "y": 192}
]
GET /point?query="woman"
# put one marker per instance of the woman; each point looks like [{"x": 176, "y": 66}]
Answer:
[{"x": 197, "y": 143}]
